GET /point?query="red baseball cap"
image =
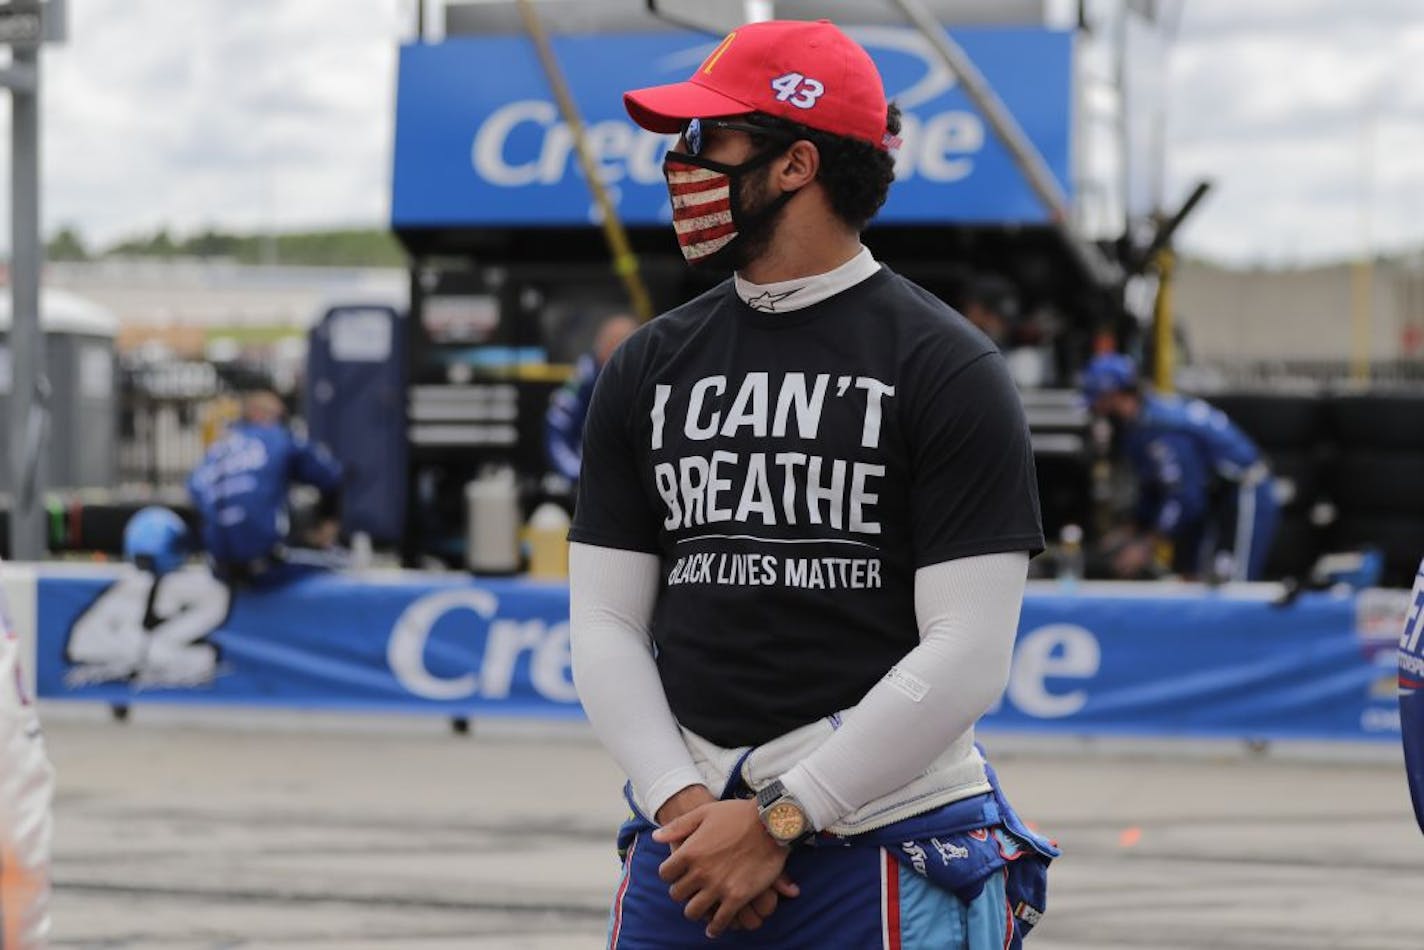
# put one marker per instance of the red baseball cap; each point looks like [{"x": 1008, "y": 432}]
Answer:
[{"x": 805, "y": 72}]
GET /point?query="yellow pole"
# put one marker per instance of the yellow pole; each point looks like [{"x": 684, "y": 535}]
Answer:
[
  {"x": 625, "y": 263},
  {"x": 1164, "y": 344}
]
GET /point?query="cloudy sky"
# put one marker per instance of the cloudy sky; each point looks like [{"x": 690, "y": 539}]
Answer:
[
  {"x": 278, "y": 114},
  {"x": 1309, "y": 117}
]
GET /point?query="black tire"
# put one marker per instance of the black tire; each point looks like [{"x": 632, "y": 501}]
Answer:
[
  {"x": 1378, "y": 484},
  {"x": 101, "y": 527},
  {"x": 1294, "y": 423},
  {"x": 1295, "y": 548},
  {"x": 1376, "y": 421},
  {"x": 1299, "y": 475},
  {"x": 1064, "y": 492}
]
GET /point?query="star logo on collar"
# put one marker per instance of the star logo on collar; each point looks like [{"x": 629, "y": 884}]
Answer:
[{"x": 769, "y": 300}]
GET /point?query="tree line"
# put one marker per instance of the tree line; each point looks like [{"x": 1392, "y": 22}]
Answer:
[{"x": 353, "y": 247}]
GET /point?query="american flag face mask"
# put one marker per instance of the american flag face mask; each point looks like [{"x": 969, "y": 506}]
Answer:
[{"x": 705, "y": 194}]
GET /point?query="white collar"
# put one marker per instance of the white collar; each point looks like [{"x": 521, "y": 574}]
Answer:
[{"x": 786, "y": 295}]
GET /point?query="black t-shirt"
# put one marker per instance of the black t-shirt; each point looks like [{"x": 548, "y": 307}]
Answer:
[{"x": 792, "y": 471}]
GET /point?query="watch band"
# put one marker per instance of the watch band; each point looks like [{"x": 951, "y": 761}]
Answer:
[
  {"x": 772, "y": 801},
  {"x": 770, "y": 793}
]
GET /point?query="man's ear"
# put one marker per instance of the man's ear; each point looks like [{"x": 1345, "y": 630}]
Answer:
[{"x": 798, "y": 166}]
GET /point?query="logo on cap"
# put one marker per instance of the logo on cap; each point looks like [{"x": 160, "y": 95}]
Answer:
[{"x": 717, "y": 53}]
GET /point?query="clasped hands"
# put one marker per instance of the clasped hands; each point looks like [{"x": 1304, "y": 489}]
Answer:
[{"x": 724, "y": 865}]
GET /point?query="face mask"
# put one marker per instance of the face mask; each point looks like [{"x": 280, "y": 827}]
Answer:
[{"x": 707, "y": 211}]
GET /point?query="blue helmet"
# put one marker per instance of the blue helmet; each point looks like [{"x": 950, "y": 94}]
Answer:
[
  {"x": 156, "y": 539},
  {"x": 1108, "y": 373}
]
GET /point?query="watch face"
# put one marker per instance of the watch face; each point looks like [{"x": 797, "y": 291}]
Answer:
[{"x": 785, "y": 821}]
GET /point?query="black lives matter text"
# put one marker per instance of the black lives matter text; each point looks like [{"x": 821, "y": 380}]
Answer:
[{"x": 756, "y": 570}]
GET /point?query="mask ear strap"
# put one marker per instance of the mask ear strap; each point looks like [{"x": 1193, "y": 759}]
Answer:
[
  {"x": 772, "y": 208},
  {"x": 766, "y": 157}
]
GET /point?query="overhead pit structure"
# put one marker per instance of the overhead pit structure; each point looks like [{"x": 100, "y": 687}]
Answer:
[{"x": 511, "y": 274}]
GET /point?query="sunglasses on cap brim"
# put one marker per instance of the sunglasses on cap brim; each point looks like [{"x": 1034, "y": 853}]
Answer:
[{"x": 694, "y": 133}]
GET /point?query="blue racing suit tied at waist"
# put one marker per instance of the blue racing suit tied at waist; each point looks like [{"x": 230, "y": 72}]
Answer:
[{"x": 957, "y": 846}]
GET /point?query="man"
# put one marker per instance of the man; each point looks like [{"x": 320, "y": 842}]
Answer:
[
  {"x": 240, "y": 490},
  {"x": 800, "y": 545},
  {"x": 26, "y": 790},
  {"x": 563, "y": 423},
  {"x": 1411, "y": 695},
  {"x": 1203, "y": 485}
]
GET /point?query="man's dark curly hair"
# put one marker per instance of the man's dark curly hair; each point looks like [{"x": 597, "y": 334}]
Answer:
[{"x": 856, "y": 174}]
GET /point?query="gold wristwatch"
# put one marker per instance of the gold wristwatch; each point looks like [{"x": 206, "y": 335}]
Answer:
[{"x": 782, "y": 815}]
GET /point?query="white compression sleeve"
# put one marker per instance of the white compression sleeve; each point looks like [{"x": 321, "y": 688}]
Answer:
[
  {"x": 611, "y": 598},
  {"x": 968, "y": 614}
]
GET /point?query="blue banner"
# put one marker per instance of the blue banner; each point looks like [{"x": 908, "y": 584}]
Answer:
[
  {"x": 1192, "y": 663},
  {"x": 434, "y": 643},
  {"x": 480, "y": 143},
  {"x": 1203, "y": 664}
]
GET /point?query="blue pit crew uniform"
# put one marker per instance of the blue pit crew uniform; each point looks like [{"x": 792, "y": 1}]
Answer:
[
  {"x": 1411, "y": 695},
  {"x": 563, "y": 422},
  {"x": 1203, "y": 484},
  {"x": 240, "y": 490},
  {"x": 967, "y": 874}
]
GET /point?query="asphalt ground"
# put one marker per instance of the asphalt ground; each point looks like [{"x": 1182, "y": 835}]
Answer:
[{"x": 231, "y": 829}]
